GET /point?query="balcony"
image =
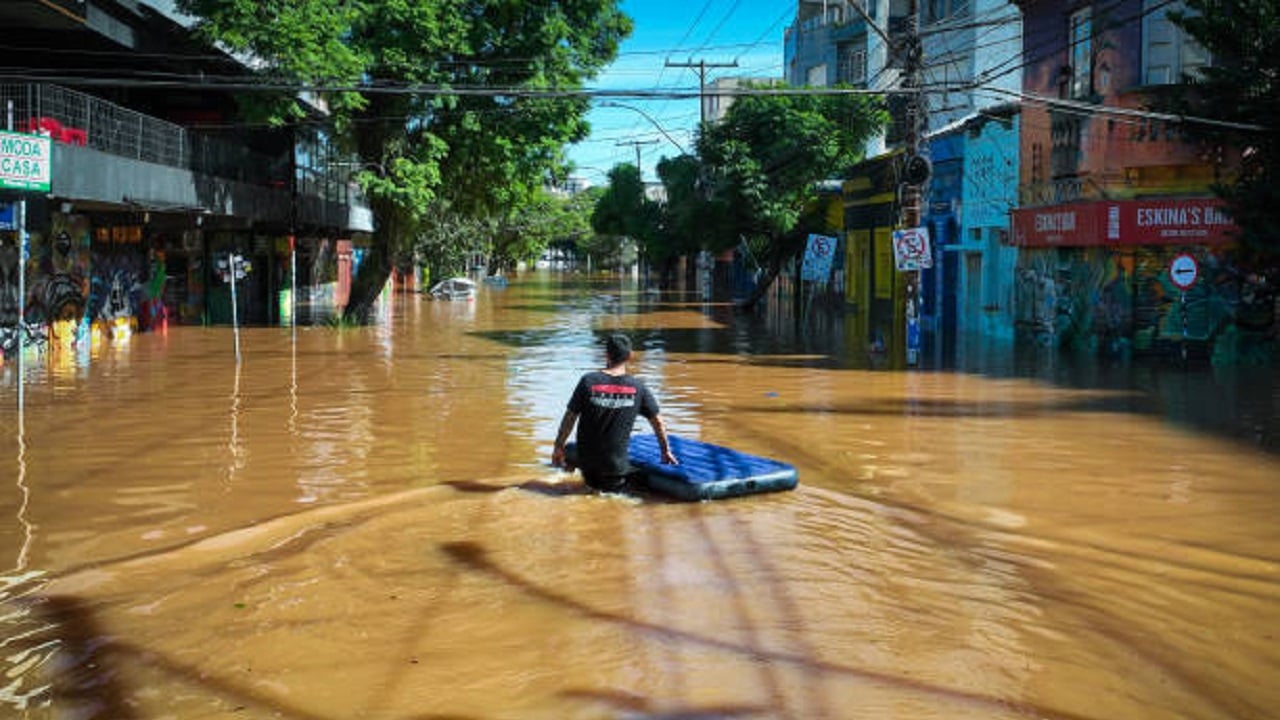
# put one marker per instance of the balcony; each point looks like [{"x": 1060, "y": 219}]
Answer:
[{"x": 110, "y": 155}]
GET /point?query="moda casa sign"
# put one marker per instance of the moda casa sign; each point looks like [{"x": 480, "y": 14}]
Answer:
[
  {"x": 25, "y": 162},
  {"x": 1123, "y": 222}
]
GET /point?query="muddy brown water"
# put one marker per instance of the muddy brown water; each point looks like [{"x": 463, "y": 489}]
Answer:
[{"x": 361, "y": 523}]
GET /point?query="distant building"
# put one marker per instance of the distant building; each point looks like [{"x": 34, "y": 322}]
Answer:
[
  {"x": 572, "y": 185},
  {"x": 655, "y": 191},
  {"x": 719, "y": 95}
]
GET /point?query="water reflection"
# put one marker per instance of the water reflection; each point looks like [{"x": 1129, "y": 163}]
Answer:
[
  {"x": 233, "y": 444},
  {"x": 1001, "y": 540}
]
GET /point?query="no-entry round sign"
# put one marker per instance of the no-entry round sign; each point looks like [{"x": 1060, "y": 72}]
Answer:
[{"x": 1184, "y": 271}]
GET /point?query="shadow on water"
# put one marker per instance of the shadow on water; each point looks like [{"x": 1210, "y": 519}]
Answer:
[
  {"x": 474, "y": 557},
  {"x": 83, "y": 672}
]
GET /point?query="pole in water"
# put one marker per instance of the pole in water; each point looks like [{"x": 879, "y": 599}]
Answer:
[
  {"x": 233, "y": 261},
  {"x": 293, "y": 283},
  {"x": 21, "y": 326},
  {"x": 1182, "y": 302}
]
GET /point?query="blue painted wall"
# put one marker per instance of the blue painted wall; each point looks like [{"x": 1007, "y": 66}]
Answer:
[{"x": 990, "y": 190}]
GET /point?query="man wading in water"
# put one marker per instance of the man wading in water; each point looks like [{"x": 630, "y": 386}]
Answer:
[{"x": 607, "y": 402}]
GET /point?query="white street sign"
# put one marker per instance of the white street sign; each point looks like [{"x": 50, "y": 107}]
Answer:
[
  {"x": 911, "y": 249},
  {"x": 1184, "y": 271}
]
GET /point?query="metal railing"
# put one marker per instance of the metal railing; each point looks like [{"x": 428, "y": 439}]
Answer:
[{"x": 120, "y": 131}]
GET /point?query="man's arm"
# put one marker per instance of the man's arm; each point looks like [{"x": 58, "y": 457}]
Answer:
[
  {"x": 660, "y": 429},
  {"x": 566, "y": 426}
]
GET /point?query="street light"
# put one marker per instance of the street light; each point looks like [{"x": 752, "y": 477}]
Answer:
[
  {"x": 646, "y": 116},
  {"x": 235, "y": 267}
]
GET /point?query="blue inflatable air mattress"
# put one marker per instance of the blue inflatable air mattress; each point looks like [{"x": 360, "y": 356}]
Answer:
[{"x": 706, "y": 471}]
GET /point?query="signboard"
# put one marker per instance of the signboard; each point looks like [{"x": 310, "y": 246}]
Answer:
[
  {"x": 1184, "y": 271},
  {"x": 1124, "y": 222},
  {"x": 817, "y": 258},
  {"x": 911, "y": 249},
  {"x": 7, "y": 220},
  {"x": 25, "y": 162},
  {"x": 1156, "y": 222}
]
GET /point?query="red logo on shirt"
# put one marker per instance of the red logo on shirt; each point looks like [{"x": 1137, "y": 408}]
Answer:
[{"x": 613, "y": 389}]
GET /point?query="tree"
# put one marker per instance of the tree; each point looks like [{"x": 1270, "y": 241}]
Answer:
[
  {"x": 528, "y": 230},
  {"x": 1243, "y": 86},
  {"x": 479, "y": 153},
  {"x": 762, "y": 163},
  {"x": 623, "y": 211},
  {"x": 686, "y": 217},
  {"x": 449, "y": 241}
]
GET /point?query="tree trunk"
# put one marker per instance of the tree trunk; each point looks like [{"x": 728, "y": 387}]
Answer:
[
  {"x": 375, "y": 268},
  {"x": 786, "y": 249}
]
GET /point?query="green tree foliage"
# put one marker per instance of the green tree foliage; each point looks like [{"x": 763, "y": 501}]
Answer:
[
  {"x": 1243, "y": 86},
  {"x": 623, "y": 211},
  {"x": 579, "y": 239},
  {"x": 762, "y": 163},
  {"x": 686, "y": 218},
  {"x": 543, "y": 221},
  {"x": 447, "y": 243},
  {"x": 481, "y": 153}
]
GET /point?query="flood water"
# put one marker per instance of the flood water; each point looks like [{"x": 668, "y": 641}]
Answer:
[{"x": 361, "y": 523}]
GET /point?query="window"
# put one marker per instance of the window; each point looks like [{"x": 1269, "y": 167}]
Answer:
[
  {"x": 816, "y": 76},
  {"x": 1081, "y": 36},
  {"x": 938, "y": 10},
  {"x": 1168, "y": 53},
  {"x": 853, "y": 65}
]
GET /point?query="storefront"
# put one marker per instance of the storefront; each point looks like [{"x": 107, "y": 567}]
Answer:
[{"x": 1095, "y": 277}]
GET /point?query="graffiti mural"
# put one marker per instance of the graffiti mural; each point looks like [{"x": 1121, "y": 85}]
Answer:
[
  {"x": 9, "y": 297},
  {"x": 1228, "y": 316},
  {"x": 1116, "y": 302},
  {"x": 1077, "y": 298},
  {"x": 154, "y": 314},
  {"x": 1036, "y": 296},
  {"x": 59, "y": 269},
  {"x": 116, "y": 294}
]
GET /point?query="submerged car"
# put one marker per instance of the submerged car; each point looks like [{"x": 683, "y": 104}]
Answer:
[{"x": 457, "y": 288}]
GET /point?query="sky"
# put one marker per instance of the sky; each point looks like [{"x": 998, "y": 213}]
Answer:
[{"x": 748, "y": 32}]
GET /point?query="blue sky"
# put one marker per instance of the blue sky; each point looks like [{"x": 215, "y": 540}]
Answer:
[{"x": 716, "y": 31}]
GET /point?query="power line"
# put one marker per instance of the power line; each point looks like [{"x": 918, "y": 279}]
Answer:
[
  {"x": 637, "y": 144},
  {"x": 701, "y": 67},
  {"x": 551, "y": 93},
  {"x": 1095, "y": 33},
  {"x": 719, "y": 25},
  {"x": 1085, "y": 108},
  {"x": 688, "y": 31}
]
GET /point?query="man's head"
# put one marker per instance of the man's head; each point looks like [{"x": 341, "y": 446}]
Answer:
[{"x": 617, "y": 348}]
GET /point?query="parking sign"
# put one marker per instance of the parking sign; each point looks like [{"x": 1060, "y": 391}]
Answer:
[{"x": 911, "y": 249}]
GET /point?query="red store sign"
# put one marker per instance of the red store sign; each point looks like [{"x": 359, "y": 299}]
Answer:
[{"x": 1189, "y": 221}]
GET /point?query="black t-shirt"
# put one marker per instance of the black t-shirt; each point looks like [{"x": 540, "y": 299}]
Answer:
[{"x": 607, "y": 407}]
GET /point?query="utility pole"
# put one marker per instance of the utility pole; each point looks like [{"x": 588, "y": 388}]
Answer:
[
  {"x": 917, "y": 169},
  {"x": 637, "y": 143},
  {"x": 640, "y": 174},
  {"x": 701, "y": 66}
]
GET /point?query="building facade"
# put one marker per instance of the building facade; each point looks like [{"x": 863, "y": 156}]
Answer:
[
  {"x": 153, "y": 189},
  {"x": 971, "y": 70},
  {"x": 1112, "y": 197}
]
